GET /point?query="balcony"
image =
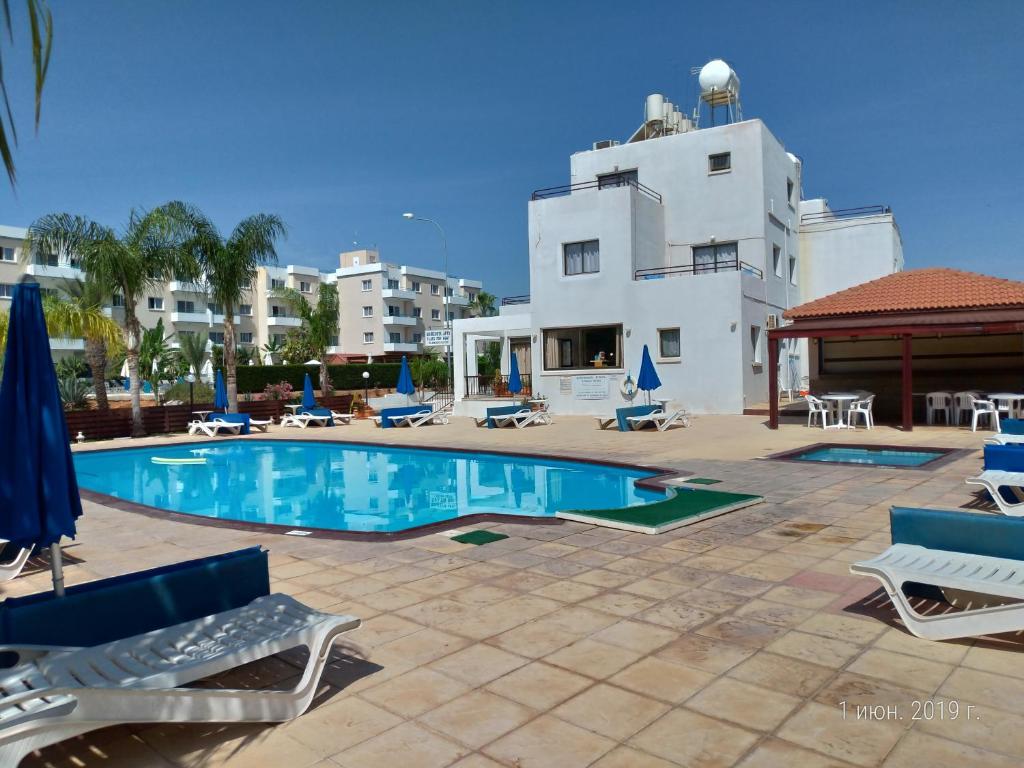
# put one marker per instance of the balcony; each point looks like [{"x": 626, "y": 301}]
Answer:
[
  {"x": 67, "y": 345},
  {"x": 398, "y": 293},
  {"x": 280, "y": 321},
  {"x": 461, "y": 301},
  {"x": 401, "y": 346},
  {"x": 568, "y": 189},
  {"x": 180, "y": 286},
  {"x": 197, "y": 317},
  {"x": 828, "y": 215},
  {"x": 400, "y": 320},
  {"x": 510, "y": 301},
  {"x": 64, "y": 270},
  {"x": 704, "y": 268}
]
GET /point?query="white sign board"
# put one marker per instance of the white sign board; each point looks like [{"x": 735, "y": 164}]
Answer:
[
  {"x": 437, "y": 337},
  {"x": 590, "y": 387}
]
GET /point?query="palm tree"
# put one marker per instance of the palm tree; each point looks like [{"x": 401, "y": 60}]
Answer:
[
  {"x": 192, "y": 351},
  {"x": 272, "y": 349},
  {"x": 320, "y": 322},
  {"x": 40, "y": 23},
  {"x": 88, "y": 297},
  {"x": 229, "y": 268},
  {"x": 483, "y": 304},
  {"x": 147, "y": 254}
]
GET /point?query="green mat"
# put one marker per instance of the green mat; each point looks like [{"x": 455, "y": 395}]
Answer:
[
  {"x": 478, "y": 537},
  {"x": 687, "y": 506},
  {"x": 702, "y": 481}
]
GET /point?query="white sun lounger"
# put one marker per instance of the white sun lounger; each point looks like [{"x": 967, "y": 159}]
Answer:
[
  {"x": 303, "y": 420},
  {"x": 261, "y": 424},
  {"x": 660, "y": 419},
  {"x": 603, "y": 422},
  {"x": 1003, "y": 438},
  {"x": 11, "y": 568},
  {"x": 977, "y": 574},
  {"x": 524, "y": 417},
  {"x": 67, "y": 692},
  {"x": 341, "y": 418},
  {"x": 994, "y": 479},
  {"x": 419, "y": 419},
  {"x": 213, "y": 428}
]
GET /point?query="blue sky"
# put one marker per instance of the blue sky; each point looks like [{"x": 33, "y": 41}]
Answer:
[{"x": 340, "y": 116}]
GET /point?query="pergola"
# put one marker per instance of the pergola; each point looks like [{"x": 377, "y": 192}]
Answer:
[{"x": 922, "y": 302}]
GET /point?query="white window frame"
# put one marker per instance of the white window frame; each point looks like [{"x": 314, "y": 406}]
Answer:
[
  {"x": 435, "y": 314},
  {"x": 218, "y": 334},
  {"x": 155, "y": 303},
  {"x": 394, "y": 337},
  {"x": 117, "y": 300},
  {"x": 305, "y": 287},
  {"x": 756, "y": 342},
  {"x": 417, "y": 311},
  {"x": 417, "y": 287},
  {"x": 7, "y": 291},
  {"x": 367, "y": 285},
  {"x": 712, "y": 171},
  {"x": 8, "y": 250},
  {"x": 435, "y": 289},
  {"x": 276, "y": 284},
  {"x": 777, "y": 260},
  {"x": 242, "y": 308},
  {"x": 367, "y": 337},
  {"x": 662, "y": 357},
  {"x": 182, "y": 307},
  {"x": 367, "y": 311},
  {"x": 792, "y": 270},
  {"x": 585, "y": 267},
  {"x": 242, "y": 339}
]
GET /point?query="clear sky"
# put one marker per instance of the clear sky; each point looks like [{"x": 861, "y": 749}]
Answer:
[{"x": 339, "y": 116}]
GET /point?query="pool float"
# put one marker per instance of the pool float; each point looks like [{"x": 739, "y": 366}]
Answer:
[{"x": 165, "y": 460}]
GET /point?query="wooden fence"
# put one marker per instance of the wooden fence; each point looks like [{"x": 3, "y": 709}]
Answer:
[{"x": 165, "y": 419}]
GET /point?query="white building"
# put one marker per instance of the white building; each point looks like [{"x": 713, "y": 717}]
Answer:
[{"x": 687, "y": 239}]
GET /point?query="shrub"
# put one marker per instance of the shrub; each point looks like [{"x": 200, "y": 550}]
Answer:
[
  {"x": 74, "y": 392},
  {"x": 280, "y": 391},
  {"x": 254, "y": 378},
  {"x": 201, "y": 393}
]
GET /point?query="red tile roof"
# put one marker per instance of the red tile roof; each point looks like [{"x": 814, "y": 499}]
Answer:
[{"x": 917, "y": 290}]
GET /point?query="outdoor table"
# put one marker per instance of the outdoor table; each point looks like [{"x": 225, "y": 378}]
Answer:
[
  {"x": 662, "y": 401},
  {"x": 840, "y": 401},
  {"x": 294, "y": 408},
  {"x": 1007, "y": 401},
  {"x": 201, "y": 414}
]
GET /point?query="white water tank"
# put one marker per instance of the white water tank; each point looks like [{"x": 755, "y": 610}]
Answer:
[
  {"x": 718, "y": 76},
  {"x": 655, "y": 108}
]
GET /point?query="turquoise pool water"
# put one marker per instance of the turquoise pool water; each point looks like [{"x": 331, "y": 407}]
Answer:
[
  {"x": 352, "y": 487},
  {"x": 886, "y": 457}
]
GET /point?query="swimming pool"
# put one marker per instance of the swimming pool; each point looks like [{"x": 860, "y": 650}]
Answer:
[
  {"x": 879, "y": 456},
  {"x": 352, "y": 487}
]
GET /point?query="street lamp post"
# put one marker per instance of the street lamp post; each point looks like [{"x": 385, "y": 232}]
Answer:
[
  {"x": 444, "y": 295},
  {"x": 366, "y": 389}
]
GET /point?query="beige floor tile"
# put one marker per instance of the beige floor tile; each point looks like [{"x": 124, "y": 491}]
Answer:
[
  {"x": 419, "y": 647},
  {"x": 599, "y": 577},
  {"x": 750, "y": 634},
  {"x": 439, "y": 584},
  {"x": 983, "y": 727},
  {"x": 383, "y": 629},
  {"x": 663, "y": 680},
  {"x": 109, "y": 748},
  {"x": 415, "y": 692},
  {"x": 478, "y": 664},
  {"x": 477, "y": 718},
  {"x": 748, "y": 705},
  {"x": 539, "y": 685},
  {"x": 581, "y": 620},
  {"x": 480, "y": 595},
  {"x": 775, "y": 753},
  {"x": 994, "y": 690},
  {"x": 678, "y": 614},
  {"x": 549, "y": 742},
  {"x": 800, "y": 597},
  {"x": 476, "y": 760},
  {"x": 898, "y": 668},
  {"x": 534, "y": 639},
  {"x": 902, "y": 641},
  {"x": 340, "y": 724},
  {"x": 408, "y": 739},
  {"x": 636, "y": 636},
  {"x": 435, "y": 612},
  {"x": 781, "y": 673},
  {"x": 774, "y": 613},
  {"x": 592, "y": 658},
  {"x": 822, "y": 728},
  {"x": 815, "y": 649},
  {"x": 610, "y": 711},
  {"x": 704, "y": 653},
  {"x": 393, "y": 598},
  {"x": 568, "y": 591},
  {"x": 619, "y": 603},
  {"x": 921, "y": 749},
  {"x": 693, "y": 740},
  {"x": 627, "y": 757},
  {"x": 1001, "y": 658},
  {"x": 659, "y": 590},
  {"x": 847, "y": 628}
]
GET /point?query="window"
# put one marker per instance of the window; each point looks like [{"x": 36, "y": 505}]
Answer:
[
  {"x": 790, "y": 187},
  {"x": 417, "y": 312},
  {"x": 668, "y": 342},
  {"x": 6, "y": 291},
  {"x": 619, "y": 179},
  {"x": 715, "y": 258},
  {"x": 183, "y": 334},
  {"x": 720, "y": 162},
  {"x": 368, "y": 337},
  {"x": 7, "y": 254},
  {"x": 367, "y": 311},
  {"x": 215, "y": 309},
  {"x": 155, "y": 303},
  {"x": 46, "y": 259},
  {"x": 278, "y": 338},
  {"x": 435, "y": 314},
  {"x": 367, "y": 285},
  {"x": 245, "y": 285},
  {"x": 393, "y": 311},
  {"x": 245, "y": 337},
  {"x": 275, "y": 284},
  {"x": 416, "y": 287},
  {"x": 276, "y": 311},
  {"x": 581, "y": 258},
  {"x": 435, "y": 290},
  {"x": 333, "y": 341},
  {"x": 217, "y": 337},
  {"x": 777, "y": 260},
  {"x": 448, "y": 292},
  {"x": 395, "y": 338},
  {"x": 755, "y": 344},
  {"x": 117, "y": 300},
  {"x": 583, "y": 348},
  {"x": 304, "y": 287},
  {"x": 186, "y": 306},
  {"x": 417, "y": 338},
  {"x": 792, "y": 270},
  {"x": 451, "y": 316},
  {"x": 245, "y": 309},
  {"x": 392, "y": 283}
]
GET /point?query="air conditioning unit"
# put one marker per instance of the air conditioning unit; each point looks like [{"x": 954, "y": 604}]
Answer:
[
  {"x": 606, "y": 144},
  {"x": 773, "y": 322}
]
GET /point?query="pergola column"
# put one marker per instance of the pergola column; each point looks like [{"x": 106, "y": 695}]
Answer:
[
  {"x": 773, "y": 382},
  {"x": 908, "y": 384}
]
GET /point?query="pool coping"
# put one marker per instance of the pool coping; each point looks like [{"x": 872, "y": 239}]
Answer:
[
  {"x": 948, "y": 455},
  {"x": 656, "y": 482}
]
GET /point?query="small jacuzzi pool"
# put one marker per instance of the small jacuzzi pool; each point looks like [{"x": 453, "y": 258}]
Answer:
[{"x": 910, "y": 457}]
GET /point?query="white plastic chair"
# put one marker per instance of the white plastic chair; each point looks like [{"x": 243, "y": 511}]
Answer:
[
  {"x": 939, "y": 402},
  {"x": 862, "y": 408},
  {"x": 962, "y": 405},
  {"x": 816, "y": 408},
  {"x": 983, "y": 409}
]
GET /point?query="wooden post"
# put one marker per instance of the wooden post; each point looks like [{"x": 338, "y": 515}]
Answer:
[
  {"x": 908, "y": 385},
  {"x": 773, "y": 382}
]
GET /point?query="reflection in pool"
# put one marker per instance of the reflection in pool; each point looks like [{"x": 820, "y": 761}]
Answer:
[{"x": 352, "y": 487}]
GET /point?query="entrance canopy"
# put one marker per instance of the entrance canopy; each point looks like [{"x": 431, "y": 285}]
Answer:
[{"x": 923, "y": 303}]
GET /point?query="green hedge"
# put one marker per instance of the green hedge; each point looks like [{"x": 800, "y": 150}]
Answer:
[{"x": 254, "y": 378}]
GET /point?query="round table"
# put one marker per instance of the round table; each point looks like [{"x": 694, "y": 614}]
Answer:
[
  {"x": 294, "y": 408},
  {"x": 202, "y": 414},
  {"x": 662, "y": 401},
  {"x": 1005, "y": 401},
  {"x": 840, "y": 401}
]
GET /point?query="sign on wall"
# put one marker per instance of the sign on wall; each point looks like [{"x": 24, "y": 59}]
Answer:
[
  {"x": 565, "y": 385},
  {"x": 437, "y": 337},
  {"x": 590, "y": 387}
]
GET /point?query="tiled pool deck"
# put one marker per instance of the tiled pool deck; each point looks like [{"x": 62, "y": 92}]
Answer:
[{"x": 730, "y": 642}]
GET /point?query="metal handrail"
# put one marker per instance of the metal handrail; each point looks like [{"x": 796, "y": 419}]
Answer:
[
  {"x": 730, "y": 265},
  {"x": 542, "y": 194},
  {"x": 845, "y": 213},
  {"x": 510, "y": 300},
  {"x": 496, "y": 386}
]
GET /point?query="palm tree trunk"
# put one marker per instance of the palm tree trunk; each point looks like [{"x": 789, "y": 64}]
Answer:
[
  {"x": 230, "y": 360},
  {"x": 133, "y": 338},
  {"x": 96, "y": 355},
  {"x": 325, "y": 378}
]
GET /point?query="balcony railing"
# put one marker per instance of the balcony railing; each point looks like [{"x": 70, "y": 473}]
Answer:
[
  {"x": 510, "y": 300},
  {"x": 724, "y": 265},
  {"x": 542, "y": 194},
  {"x": 845, "y": 213},
  {"x": 496, "y": 385}
]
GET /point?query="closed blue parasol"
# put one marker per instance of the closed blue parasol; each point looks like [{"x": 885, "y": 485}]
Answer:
[
  {"x": 405, "y": 384},
  {"x": 220, "y": 394},
  {"x": 648, "y": 379},
  {"x": 308, "y": 401},
  {"x": 39, "y": 499},
  {"x": 515, "y": 381}
]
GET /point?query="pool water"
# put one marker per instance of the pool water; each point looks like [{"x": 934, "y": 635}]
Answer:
[
  {"x": 885, "y": 457},
  {"x": 351, "y": 487}
]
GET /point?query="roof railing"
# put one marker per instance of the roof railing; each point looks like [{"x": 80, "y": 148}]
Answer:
[
  {"x": 845, "y": 213},
  {"x": 705, "y": 268},
  {"x": 542, "y": 194},
  {"x": 510, "y": 300}
]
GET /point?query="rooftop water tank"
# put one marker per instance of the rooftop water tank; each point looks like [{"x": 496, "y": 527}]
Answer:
[
  {"x": 717, "y": 75},
  {"x": 655, "y": 108}
]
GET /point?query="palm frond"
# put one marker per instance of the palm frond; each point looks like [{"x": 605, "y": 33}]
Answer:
[
  {"x": 74, "y": 320},
  {"x": 41, "y": 31}
]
